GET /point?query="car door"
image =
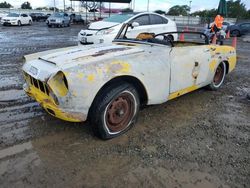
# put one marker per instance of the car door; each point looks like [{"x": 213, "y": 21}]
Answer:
[
  {"x": 66, "y": 18},
  {"x": 189, "y": 67},
  {"x": 24, "y": 19},
  {"x": 144, "y": 23},
  {"x": 157, "y": 25}
]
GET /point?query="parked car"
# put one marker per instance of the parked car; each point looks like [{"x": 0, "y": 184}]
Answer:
[
  {"x": 76, "y": 19},
  {"x": 108, "y": 83},
  {"x": 239, "y": 29},
  {"x": 16, "y": 19},
  {"x": 59, "y": 20},
  {"x": 39, "y": 17},
  {"x": 105, "y": 31},
  {"x": 225, "y": 25},
  {"x": 3, "y": 14}
]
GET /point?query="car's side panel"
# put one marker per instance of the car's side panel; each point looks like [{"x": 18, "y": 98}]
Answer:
[
  {"x": 211, "y": 57},
  {"x": 151, "y": 68},
  {"x": 189, "y": 67}
]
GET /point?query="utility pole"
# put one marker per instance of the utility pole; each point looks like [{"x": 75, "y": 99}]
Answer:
[
  {"x": 63, "y": 5},
  {"x": 148, "y": 6},
  {"x": 189, "y": 11},
  {"x": 54, "y": 6},
  {"x": 71, "y": 6}
]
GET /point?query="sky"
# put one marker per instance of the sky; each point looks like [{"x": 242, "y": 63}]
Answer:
[{"x": 140, "y": 5}]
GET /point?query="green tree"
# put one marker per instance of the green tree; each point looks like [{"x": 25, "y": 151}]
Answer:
[
  {"x": 26, "y": 5},
  {"x": 42, "y": 8},
  {"x": 248, "y": 14},
  {"x": 52, "y": 9},
  {"x": 205, "y": 13},
  {"x": 69, "y": 9},
  {"x": 160, "y": 12},
  {"x": 236, "y": 9},
  {"x": 5, "y": 5},
  {"x": 179, "y": 10},
  {"x": 127, "y": 10}
]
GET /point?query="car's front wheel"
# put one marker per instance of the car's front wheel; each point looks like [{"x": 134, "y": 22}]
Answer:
[
  {"x": 219, "y": 77},
  {"x": 30, "y": 22},
  {"x": 19, "y": 23},
  {"x": 115, "y": 110}
]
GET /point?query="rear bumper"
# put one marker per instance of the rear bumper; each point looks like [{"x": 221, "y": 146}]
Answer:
[{"x": 48, "y": 104}]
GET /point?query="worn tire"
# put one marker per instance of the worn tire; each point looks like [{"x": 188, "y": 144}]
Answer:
[
  {"x": 219, "y": 77},
  {"x": 114, "y": 110},
  {"x": 235, "y": 33}
]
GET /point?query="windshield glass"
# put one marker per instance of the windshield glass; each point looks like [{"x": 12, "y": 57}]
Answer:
[
  {"x": 57, "y": 15},
  {"x": 13, "y": 15},
  {"x": 118, "y": 18}
]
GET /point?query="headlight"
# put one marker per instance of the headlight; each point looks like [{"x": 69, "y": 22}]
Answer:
[
  {"x": 59, "y": 84},
  {"x": 105, "y": 32}
]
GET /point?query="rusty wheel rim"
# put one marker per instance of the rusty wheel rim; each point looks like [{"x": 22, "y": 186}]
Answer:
[
  {"x": 120, "y": 112},
  {"x": 218, "y": 75}
]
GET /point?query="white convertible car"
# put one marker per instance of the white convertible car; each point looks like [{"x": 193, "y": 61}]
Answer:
[{"x": 107, "y": 84}]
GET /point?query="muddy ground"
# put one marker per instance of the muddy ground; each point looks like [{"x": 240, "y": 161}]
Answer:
[{"x": 201, "y": 139}]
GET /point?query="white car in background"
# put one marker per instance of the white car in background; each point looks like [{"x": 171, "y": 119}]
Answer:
[
  {"x": 16, "y": 19},
  {"x": 3, "y": 14},
  {"x": 106, "y": 30}
]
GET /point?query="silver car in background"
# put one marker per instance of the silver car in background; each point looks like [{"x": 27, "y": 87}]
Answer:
[{"x": 58, "y": 19}]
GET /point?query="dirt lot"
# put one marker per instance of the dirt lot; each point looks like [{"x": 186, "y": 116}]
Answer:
[{"x": 199, "y": 140}]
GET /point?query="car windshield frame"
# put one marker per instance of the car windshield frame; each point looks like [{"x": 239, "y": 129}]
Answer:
[
  {"x": 119, "y": 18},
  {"x": 13, "y": 15},
  {"x": 121, "y": 36}
]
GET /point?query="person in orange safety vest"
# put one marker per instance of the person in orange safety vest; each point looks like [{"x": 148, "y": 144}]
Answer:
[{"x": 217, "y": 25}]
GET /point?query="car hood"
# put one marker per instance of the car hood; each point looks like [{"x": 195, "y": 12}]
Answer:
[
  {"x": 102, "y": 25},
  {"x": 10, "y": 18},
  {"x": 73, "y": 56}
]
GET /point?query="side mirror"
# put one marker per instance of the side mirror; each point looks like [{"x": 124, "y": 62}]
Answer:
[{"x": 135, "y": 24}]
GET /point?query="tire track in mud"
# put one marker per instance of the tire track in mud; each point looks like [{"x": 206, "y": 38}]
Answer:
[{"x": 17, "y": 110}]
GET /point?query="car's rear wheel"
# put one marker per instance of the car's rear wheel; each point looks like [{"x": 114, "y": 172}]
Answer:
[
  {"x": 219, "y": 77},
  {"x": 235, "y": 33},
  {"x": 115, "y": 110}
]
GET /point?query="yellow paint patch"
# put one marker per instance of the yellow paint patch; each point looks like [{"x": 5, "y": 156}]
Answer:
[
  {"x": 119, "y": 67},
  {"x": 48, "y": 103},
  {"x": 57, "y": 85},
  {"x": 232, "y": 62},
  {"x": 212, "y": 65},
  {"x": 182, "y": 92},
  {"x": 80, "y": 75},
  {"x": 91, "y": 77},
  {"x": 99, "y": 71}
]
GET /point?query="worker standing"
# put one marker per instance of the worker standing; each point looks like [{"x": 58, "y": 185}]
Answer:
[{"x": 217, "y": 25}]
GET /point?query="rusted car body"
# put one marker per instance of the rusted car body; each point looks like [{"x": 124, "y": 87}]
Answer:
[{"x": 69, "y": 83}]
